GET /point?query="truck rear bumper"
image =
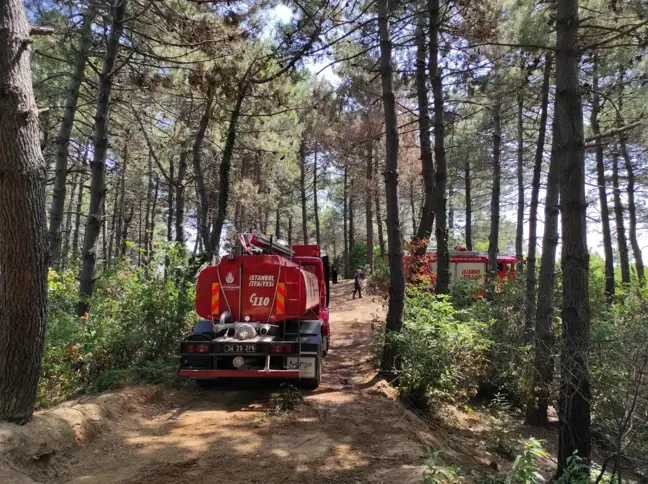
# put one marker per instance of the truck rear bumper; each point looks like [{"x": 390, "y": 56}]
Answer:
[{"x": 200, "y": 374}]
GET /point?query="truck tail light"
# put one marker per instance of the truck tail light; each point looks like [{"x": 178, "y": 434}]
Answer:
[
  {"x": 197, "y": 348},
  {"x": 281, "y": 348}
]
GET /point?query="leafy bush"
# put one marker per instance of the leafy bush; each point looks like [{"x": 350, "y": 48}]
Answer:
[
  {"x": 378, "y": 278},
  {"x": 442, "y": 350},
  {"x": 286, "y": 399},
  {"x": 510, "y": 354},
  {"x": 135, "y": 322}
]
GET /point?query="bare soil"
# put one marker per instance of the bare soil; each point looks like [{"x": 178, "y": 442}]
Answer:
[{"x": 350, "y": 430}]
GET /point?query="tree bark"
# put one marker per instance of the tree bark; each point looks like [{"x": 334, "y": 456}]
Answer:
[
  {"x": 412, "y": 207},
  {"x": 203, "y": 221},
  {"x": 278, "y": 223},
  {"x": 77, "y": 217},
  {"x": 426, "y": 224},
  {"x": 170, "y": 204},
  {"x": 368, "y": 211},
  {"x": 122, "y": 200},
  {"x": 113, "y": 223},
  {"x": 468, "y": 183},
  {"x": 531, "y": 282},
  {"x": 441, "y": 233},
  {"x": 351, "y": 216},
  {"x": 450, "y": 206},
  {"x": 23, "y": 225},
  {"x": 68, "y": 223},
  {"x": 632, "y": 213},
  {"x": 396, "y": 274},
  {"x": 493, "y": 239},
  {"x": 379, "y": 223},
  {"x": 543, "y": 361},
  {"x": 180, "y": 198},
  {"x": 124, "y": 237},
  {"x": 98, "y": 166},
  {"x": 569, "y": 143},
  {"x": 519, "y": 229},
  {"x": 225, "y": 167},
  {"x": 345, "y": 217},
  {"x": 302, "y": 189},
  {"x": 622, "y": 240},
  {"x": 63, "y": 140},
  {"x": 602, "y": 190},
  {"x": 318, "y": 235},
  {"x": 147, "y": 214}
]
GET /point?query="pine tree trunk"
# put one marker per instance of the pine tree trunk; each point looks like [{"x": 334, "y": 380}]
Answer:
[
  {"x": 302, "y": 189},
  {"x": 602, "y": 190},
  {"x": 396, "y": 274},
  {"x": 345, "y": 216},
  {"x": 519, "y": 229},
  {"x": 493, "y": 239},
  {"x": 622, "y": 240},
  {"x": 151, "y": 225},
  {"x": 290, "y": 229},
  {"x": 225, "y": 168},
  {"x": 468, "y": 183},
  {"x": 278, "y": 224},
  {"x": 104, "y": 239},
  {"x": 147, "y": 213},
  {"x": 122, "y": 201},
  {"x": 170, "y": 205},
  {"x": 412, "y": 207},
  {"x": 98, "y": 166},
  {"x": 128, "y": 218},
  {"x": 351, "y": 216},
  {"x": 632, "y": 213},
  {"x": 569, "y": 142},
  {"x": 113, "y": 222},
  {"x": 543, "y": 361},
  {"x": 443, "y": 256},
  {"x": 68, "y": 223},
  {"x": 63, "y": 140},
  {"x": 180, "y": 198},
  {"x": 318, "y": 235},
  {"x": 531, "y": 282},
  {"x": 23, "y": 225},
  {"x": 77, "y": 217},
  {"x": 427, "y": 214},
  {"x": 450, "y": 206},
  {"x": 368, "y": 208},
  {"x": 379, "y": 223},
  {"x": 203, "y": 221}
]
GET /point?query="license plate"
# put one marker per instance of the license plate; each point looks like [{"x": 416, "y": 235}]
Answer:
[
  {"x": 305, "y": 365},
  {"x": 242, "y": 348}
]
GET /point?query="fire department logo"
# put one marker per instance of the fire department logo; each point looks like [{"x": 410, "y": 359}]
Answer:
[{"x": 230, "y": 278}]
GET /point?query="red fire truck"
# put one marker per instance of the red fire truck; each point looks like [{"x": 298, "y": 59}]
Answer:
[
  {"x": 264, "y": 313},
  {"x": 465, "y": 264}
]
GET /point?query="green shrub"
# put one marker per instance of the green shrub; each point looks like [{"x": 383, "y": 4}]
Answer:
[
  {"x": 442, "y": 351},
  {"x": 286, "y": 399},
  {"x": 135, "y": 322}
]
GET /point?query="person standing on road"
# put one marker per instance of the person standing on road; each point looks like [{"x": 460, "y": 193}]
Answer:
[{"x": 356, "y": 284}]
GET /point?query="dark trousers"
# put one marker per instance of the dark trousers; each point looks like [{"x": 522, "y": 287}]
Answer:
[{"x": 356, "y": 288}]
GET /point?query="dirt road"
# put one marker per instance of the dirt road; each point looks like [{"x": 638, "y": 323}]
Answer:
[{"x": 345, "y": 432}]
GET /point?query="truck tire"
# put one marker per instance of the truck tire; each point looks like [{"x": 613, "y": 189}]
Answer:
[{"x": 325, "y": 345}]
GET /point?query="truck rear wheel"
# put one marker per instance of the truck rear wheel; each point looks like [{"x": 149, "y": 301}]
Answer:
[{"x": 314, "y": 383}]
